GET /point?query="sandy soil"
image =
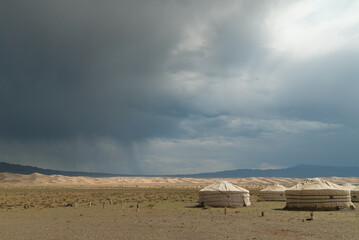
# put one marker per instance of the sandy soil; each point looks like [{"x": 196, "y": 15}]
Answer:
[
  {"x": 107, "y": 209},
  {"x": 163, "y": 213}
]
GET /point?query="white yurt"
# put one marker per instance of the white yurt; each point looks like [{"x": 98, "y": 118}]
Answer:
[
  {"x": 224, "y": 194},
  {"x": 316, "y": 194},
  {"x": 273, "y": 193},
  {"x": 355, "y": 194},
  {"x": 349, "y": 186}
]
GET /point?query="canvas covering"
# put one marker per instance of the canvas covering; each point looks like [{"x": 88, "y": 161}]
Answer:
[
  {"x": 273, "y": 193},
  {"x": 224, "y": 194},
  {"x": 355, "y": 194},
  {"x": 316, "y": 194}
]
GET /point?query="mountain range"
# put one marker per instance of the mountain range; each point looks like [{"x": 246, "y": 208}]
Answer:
[
  {"x": 21, "y": 169},
  {"x": 299, "y": 171}
]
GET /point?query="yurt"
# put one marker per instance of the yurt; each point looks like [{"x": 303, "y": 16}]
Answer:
[
  {"x": 224, "y": 194},
  {"x": 349, "y": 186},
  {"x": 355, "y": 194},
  {"x": 316, "y": 194},
  {"x": 273, "y": 193}
]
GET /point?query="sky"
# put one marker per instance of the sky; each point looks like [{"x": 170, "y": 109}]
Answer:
[{"x": 167, "y": 87}]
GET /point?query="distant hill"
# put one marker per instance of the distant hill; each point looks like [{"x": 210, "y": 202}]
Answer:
[
  {"x": 21, "y": 169},
  {"x": 300, "y": 171}
]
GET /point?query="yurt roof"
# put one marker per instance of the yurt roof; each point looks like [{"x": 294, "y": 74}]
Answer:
[
  {"x": 349, "y": 186},
  {"x": 316, "y": 184},
  {"x": 224, "y": 186},
  {"x": 274, "y": 188}
]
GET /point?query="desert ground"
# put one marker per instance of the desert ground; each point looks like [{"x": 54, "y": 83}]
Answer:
[{"x": 57, "y": 207}]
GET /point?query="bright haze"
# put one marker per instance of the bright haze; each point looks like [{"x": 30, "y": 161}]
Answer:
[{"x": 165, "y": 87}]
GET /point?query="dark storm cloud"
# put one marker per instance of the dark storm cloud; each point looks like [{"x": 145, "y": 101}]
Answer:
[
  {"x": 84, "y": 68},
  {"x": 79, "y": 81},
  {"x": 171, "y": 86},
  {"x": 81, "y": 68}
]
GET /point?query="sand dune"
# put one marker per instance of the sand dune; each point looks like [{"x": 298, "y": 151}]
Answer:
[{"x": 36, "y": 179}]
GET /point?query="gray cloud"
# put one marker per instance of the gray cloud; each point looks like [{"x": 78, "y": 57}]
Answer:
[
  {"x": 170, "y": 87},
  {"x": 83, "y": 69},
  {"x": 322, "y": 89}
]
